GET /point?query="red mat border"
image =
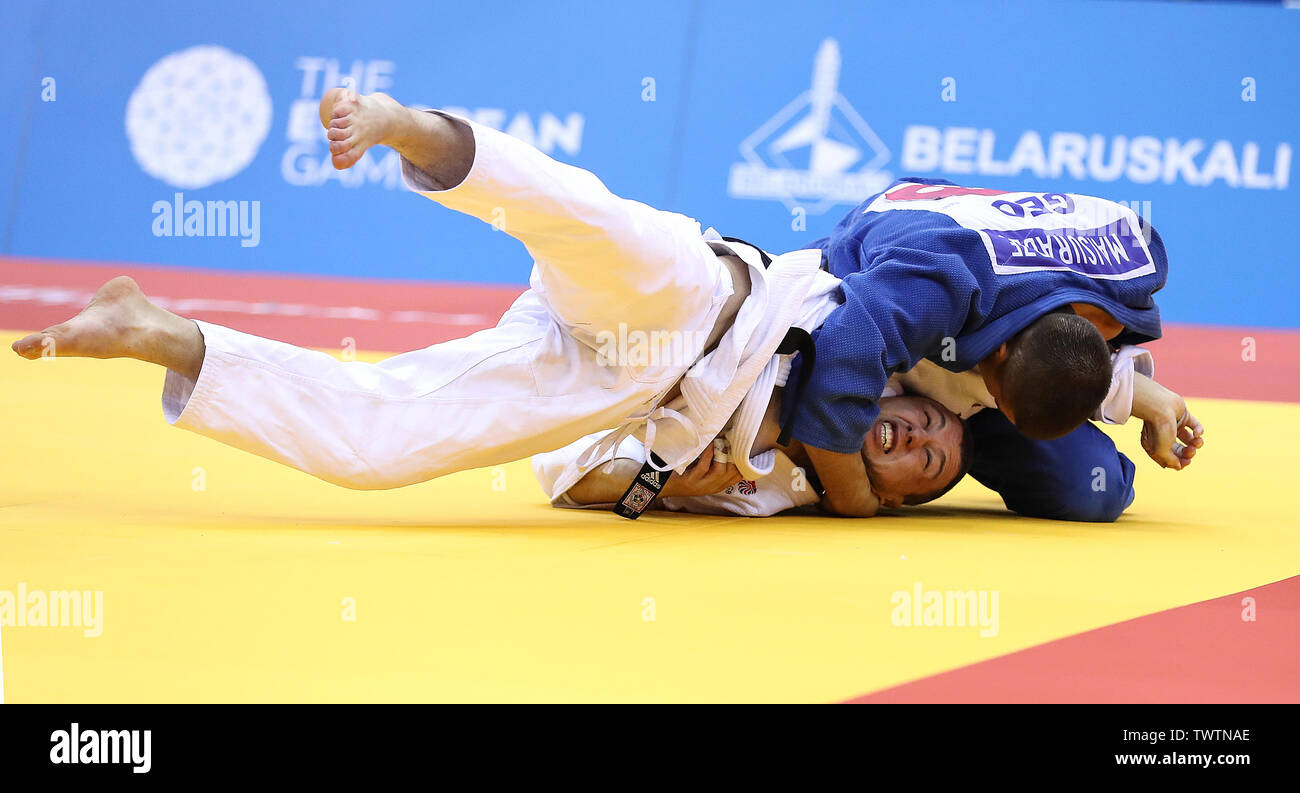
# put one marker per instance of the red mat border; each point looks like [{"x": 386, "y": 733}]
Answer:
[{"x": 1200, "y": 653}]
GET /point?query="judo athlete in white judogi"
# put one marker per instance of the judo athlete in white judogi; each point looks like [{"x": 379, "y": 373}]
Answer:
[{"x": 557, "y": 367}]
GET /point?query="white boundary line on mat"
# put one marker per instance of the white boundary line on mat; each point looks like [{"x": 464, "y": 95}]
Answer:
[{"x": 61, "y": 296}]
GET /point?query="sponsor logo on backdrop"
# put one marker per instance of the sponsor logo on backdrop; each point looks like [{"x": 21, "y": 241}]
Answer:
[
  {"x": 816, "y": 152},
  {"x": 306, "y": 159},
  {"x": 1141, "y": 159},
  {"x": 198, "y": 116}
]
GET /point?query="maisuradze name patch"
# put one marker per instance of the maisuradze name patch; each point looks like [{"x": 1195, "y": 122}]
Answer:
[
  {"x": 1097, "y": 252},
  {"x": 1027, "y": 232}
]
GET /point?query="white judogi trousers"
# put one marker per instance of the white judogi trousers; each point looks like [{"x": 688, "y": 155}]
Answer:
[{"x": 535, "y": 382}]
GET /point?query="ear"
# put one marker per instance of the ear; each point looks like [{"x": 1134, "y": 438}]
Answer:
[{"x": 990, "y": 369}]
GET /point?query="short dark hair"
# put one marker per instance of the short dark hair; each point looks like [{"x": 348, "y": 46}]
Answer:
[
  {"x": 967, "y": 457},
  {"x": 1057, "y": 373}
]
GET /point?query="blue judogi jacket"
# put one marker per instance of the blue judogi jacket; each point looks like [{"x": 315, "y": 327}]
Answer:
[{"x": 927, "y": 261}]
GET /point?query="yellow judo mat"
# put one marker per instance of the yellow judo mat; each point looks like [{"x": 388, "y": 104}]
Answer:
[{"x": 225, "y": 577}]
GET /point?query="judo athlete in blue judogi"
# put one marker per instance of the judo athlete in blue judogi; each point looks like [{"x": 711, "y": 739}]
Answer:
[{"x": 1017, "y": 310}]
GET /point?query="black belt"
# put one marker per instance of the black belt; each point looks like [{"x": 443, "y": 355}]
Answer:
[
  {"x": 800, "y": 341},
  {"x": 650, "y": 482}
]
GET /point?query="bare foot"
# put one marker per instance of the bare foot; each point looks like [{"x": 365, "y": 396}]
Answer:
[
  {"x": 355, "y": 123},
  {"x": 114, "y": 324}
]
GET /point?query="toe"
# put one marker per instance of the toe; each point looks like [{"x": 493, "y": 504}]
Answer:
[
  {"x": 342, "y": 109},
  {"x": 30, "y": 346},
  {"x": 327, "y": 103}
]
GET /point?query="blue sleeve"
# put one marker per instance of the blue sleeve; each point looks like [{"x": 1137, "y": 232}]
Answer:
[
  {"x": 1079, "y": 477},
  {"x": 896, "y": 311}
]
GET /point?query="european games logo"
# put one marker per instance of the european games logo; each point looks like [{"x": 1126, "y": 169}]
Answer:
[
  {"x": 198, "y": 116},
  {"x": 816, "y": 152}
]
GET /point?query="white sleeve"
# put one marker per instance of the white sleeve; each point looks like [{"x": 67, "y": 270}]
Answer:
[
  {"x": 559, "y": 470},
  {"x": 1118, "y": 405},
  {"x": 785, "y": 488}
]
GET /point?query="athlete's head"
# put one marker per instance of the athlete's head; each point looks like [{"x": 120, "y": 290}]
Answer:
[
  {"x": 1051, "y": 376},
  {"x": 916, "y": 451}
]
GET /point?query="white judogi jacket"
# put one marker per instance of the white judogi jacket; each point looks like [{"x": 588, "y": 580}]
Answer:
[{"x": 735, "y": 379}]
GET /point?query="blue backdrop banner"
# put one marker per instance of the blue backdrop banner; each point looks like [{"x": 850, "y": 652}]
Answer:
[{"x": 768, "y": 120}]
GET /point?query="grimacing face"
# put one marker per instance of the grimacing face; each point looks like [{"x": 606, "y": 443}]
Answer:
[{"x": 914, "y": 448}]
